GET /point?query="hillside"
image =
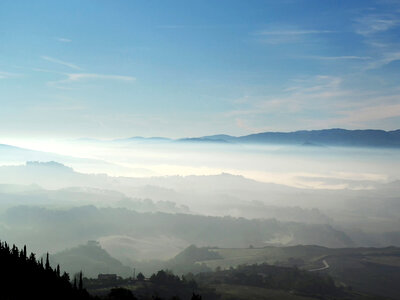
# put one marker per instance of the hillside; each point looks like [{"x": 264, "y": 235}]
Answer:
[
  {"x": 371, "y": 270},
  {"x": 91, "y": 258},
  {"x": 57, "y": 229}
]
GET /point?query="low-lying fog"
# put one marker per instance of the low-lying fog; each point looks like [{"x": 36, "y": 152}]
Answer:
[
  {"x": 132, "y": 196},
  {"x": 298, "y": 166}
]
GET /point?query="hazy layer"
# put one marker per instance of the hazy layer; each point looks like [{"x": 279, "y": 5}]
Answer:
[{"x": 302, "y": 166}]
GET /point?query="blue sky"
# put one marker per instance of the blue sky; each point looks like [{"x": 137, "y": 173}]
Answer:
[{"x": 110, "y": 69}]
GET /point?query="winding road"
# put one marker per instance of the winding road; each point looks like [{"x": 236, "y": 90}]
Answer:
[{"x": 326, "y": 266}]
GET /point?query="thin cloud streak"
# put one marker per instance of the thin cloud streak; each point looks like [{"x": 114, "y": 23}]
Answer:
[
  {"x": 288, "y": 34},
  {"x": 359, "y": 118},
  {"x": 64, "y": 40},
  {"x": 83, "y": 76},
  {"x": 293, "y": 32},
  {"x": 345, "y": 57},
  {"x": 372, "y": 24},
  {"x": 336, "y": 106},
  {"x": 5, "y": 75},
  {"x": 60, "y": 62},
  {"x": 79, "y": 77},
  {"x": 386, "y": 59},
  {"x": 375, "y": 28},
  {"x": 59, "y": 107},
  {"x": 372, "y": 113}
]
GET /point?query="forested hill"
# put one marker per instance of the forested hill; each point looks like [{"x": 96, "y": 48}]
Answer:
[{"x": 24, "y": 277}]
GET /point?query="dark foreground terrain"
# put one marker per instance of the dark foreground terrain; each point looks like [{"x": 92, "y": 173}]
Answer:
[{"x": 247, "y": 281}]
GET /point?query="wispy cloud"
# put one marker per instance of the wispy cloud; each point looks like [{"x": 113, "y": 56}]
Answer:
[
  {"x": 171, "y": 27},
  {"x": 60, "y": 62},
  {"x": 385, "y": 59},
  {"x": 82, "y": 77},
  {"x": 313, "y": 93},
  {"x": 379, "y": 31},
  {"x": 344, "y": 57},
  {"x": 320, "y": 102},
  {"x": 64, "y": 107},
  {"x": 5, "y": 75},
  {"x": 63, "y": 40},
  {"x": 284, "y": 34},
  {"x": 372, "y": 24},
  {"x": 47, "y": 71},
  {"x": 241, "y": 123},
  {"x": 176, "y": 26},
  {"x": 361, "y": 117},
  {"x": 371, "y": 113},
  {"x": 293, "y": 32}
]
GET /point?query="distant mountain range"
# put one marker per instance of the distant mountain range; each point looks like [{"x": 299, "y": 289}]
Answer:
[{"x": 325, "y": 137}]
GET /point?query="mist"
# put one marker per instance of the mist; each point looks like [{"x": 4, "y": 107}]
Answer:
[{"x": 352, "y": 190}]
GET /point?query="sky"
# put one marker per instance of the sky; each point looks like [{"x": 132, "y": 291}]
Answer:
[{"x": 113, "y": 69}]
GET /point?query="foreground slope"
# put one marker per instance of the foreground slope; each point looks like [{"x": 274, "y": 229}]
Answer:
[{"x": 371, "y": 270}]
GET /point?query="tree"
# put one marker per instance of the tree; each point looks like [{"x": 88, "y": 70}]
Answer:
[
  {"x": 140, "y": 276},
  {"x": 80, "y": 285},
  {"x": 65, "y": 277},
  {"x": 196, "y": 297},
  {"x": 121, "y": 294},
  {"x": 23, "y": 278},
  {"x": 47, "y": 262}
]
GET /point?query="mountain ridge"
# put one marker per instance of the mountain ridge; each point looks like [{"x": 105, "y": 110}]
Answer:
[{"x": 322, "y": 137}]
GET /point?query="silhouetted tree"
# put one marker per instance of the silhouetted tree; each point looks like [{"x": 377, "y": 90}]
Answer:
[
  {"x": 80, "y": 281},
  {"x": 47, "y": 267},
  {"x": 196, "y": 297},
  {"x": 140, "y": 276},
  {"x": 121, "y": 294}
]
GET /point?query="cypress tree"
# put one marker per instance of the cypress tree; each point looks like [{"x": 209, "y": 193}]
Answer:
[
  {"x": 47, "y": 261},
  {"x": 80, "y": 281}
]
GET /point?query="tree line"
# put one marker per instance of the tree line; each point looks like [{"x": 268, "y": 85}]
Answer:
[{"x": 22, "y": 276}]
